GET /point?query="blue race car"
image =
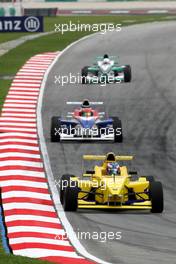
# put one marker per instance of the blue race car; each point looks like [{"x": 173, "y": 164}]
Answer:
[{"x": 86, "y": 123}]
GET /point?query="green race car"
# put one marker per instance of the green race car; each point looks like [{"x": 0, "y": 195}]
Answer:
[{"x": 106, "y": 69}]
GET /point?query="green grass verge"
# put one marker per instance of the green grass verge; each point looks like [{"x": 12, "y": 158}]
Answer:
[
  {"x": 14, "y": 59},
  {"x": 11, "y": 259},
  {"x": 4, "y": 87}
]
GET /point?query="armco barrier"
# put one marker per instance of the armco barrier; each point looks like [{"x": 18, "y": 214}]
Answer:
[{"x": 33, "y": 227}]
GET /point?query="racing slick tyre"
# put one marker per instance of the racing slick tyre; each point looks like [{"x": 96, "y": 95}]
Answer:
[
  {"x": 156, "y": 196},
  {"x": 70, "y": 198},
  {"x": 116, "y": 73},
  {"x": 55, "y": 126},
  {"x": 127, "y": 73},
  {"x": 84, "y": 73},
  {"x": 63, "y": 183},
  {"x": 117, "y": 126}
]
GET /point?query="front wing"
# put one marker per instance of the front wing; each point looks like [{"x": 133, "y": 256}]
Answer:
[
  {"x": 71, "y": 133},
  {"x": 64, "y": 137},
  {"x": 146, "y": 205}
]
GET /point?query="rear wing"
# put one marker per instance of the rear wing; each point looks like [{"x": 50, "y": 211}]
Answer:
[
  {"x": 110, "y": 57},
  {"x": 80, "y": 103},
  {"x": 104, "y": 157},
  {"x": 114, "y": 58}
]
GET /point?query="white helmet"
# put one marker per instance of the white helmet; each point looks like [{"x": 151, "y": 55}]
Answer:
[{"x": 106, "y": 61}]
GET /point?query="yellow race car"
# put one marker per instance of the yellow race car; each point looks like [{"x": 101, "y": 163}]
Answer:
[{"x": 111, "y": 186}]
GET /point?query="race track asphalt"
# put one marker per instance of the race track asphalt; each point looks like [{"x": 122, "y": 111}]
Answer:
[{"x": 147, "y": 108}]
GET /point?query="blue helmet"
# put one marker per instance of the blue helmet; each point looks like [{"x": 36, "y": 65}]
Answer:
[{"x": 113, "y": 168}]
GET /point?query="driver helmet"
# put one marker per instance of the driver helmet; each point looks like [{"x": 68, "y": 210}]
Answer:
[
  {"x": 106, "y": 61},
  {"x": 106, "y": 56},
  {"x": 85, "y": 103},
  {"x": 113, "y": 168}
]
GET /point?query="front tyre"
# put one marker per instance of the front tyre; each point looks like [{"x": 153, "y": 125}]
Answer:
[
  {"x": 63, "y": 184},
  {"x": 55, "y": 129},
  {"x": 127, "y": 73},
  {"x": 117, "y": 126},
  {"x": 156, "y": 196},
  {"x": 70, "y": 198},
  {"x": 84, "y": 74}
]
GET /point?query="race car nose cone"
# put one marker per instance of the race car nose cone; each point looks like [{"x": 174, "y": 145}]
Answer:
[{"x": 88, "y": 123}]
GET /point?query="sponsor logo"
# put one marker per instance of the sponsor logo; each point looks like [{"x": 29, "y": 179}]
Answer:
[
  {"x": 32, "y": 24},
  {"x": 21, "y": 24}
]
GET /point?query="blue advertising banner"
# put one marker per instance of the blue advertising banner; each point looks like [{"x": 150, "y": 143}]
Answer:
[{"x": 21, "y": 24}]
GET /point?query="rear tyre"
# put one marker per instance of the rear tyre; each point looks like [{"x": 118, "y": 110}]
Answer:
[
  {"x": 55, "y": 127},
  {"x": 117, "y": 126},
  {"x": 156, "y": 196},
  {"x": 127, "y": 73},
  {"x": 84, "y": 74}
]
